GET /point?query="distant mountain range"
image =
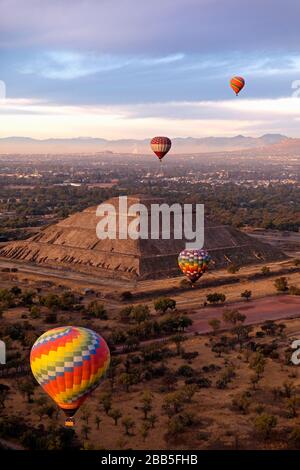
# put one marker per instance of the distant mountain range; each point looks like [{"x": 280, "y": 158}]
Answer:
[{"x": 131, "y": 146}]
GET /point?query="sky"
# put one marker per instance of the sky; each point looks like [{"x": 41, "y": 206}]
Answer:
[{"x": 134, "y": 69}]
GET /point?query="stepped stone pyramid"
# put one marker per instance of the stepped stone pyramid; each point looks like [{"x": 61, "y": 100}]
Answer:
[{"x": 72, "y": 244}]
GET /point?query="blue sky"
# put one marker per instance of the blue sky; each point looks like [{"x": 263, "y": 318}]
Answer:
[{"x": 131, "y": 68}]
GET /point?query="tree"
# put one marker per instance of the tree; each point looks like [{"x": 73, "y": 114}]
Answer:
[
  {"x": 173, "y": 403},
  {"x": 126, "y": 380},
  {"x": 247, "y": 294},
  {"x": 51, "y": 317},
  {"x": 35, "y": 312},
  {"x": 294, "y": 290},
  {"x": 124, "y": 314},
  {"x": 51, "y": 301},
  {"x": 97, "y": 421},
  {"x": 257, "y": 364},
  {"x": 233, "y": 317},
  {"x": 216, "y": 298},
  {"x": 281, "y": 284},
  {"x": 183, "y": 322},
  {"x": 254, "y": 379},
  {"x": 85, "y": 431},
  {"x": 105, "y": 401},
  {"x": 294, "y": 437},
  {"x": 16, "y": 291},
  {"x": 131, "y": 343},
  {"x": 175, "y": 425},
  {"x": 215, "y": 325},
  {"x": 288, "y": 389},
  {"x": 145, "y": 430},
  {"x": 264, "y": 424},
  {"x": 117, "y": 336},
  {"x": 242, "y": 403},
  {"x": 152, "y": 420},
  {"x": 128, "y": 424},
  {"x": 140, "y": 313},
  {"x": 233, "y": 268},
  {"x": 269, "y": 327},
  {"x": 242, "y": 332},
  {"x": 265, "y": 270},
  {"x": 26, "y": 387},
  {"x": 146, "y": 403},
  {"x": 292, "y": 406},
  {"x": 85, "y": 414},
  {"x": 4, "y": 391},
  {"x": 96, "y": 310},
  {"x": 225, "y": 378},
  {"x": 27, "y": 298},
  {"x": 67, "y": 301},
  {"x": 163, "y": 304},
  {"x": 126, "y": 295},
  {"x": 178, "y": 340},
  {"x": 112, "y": 371},
  {"x": 115, "y": 414},
  {"x": 169, "y": 380},
  {"x": 7, "y": 298}
]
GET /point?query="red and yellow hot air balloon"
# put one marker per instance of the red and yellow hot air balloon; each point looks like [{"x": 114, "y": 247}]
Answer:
[
  {"x": 161, "y": 146},
  {"x": 237, "y": 84},
  {"x": 193, "y": 263},
  {"x": 69, "y": 363}
]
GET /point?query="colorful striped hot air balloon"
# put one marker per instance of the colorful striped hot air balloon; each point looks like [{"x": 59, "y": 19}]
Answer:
[
  {"x": 237, "y": 84},
  {"x": 193, "y": 263},
  {"x": 69, "y": 363},
  {"x": 161, "y": 146}
]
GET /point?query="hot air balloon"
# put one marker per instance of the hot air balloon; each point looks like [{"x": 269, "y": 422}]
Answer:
[
  {"x": 160, "y": 146},
  {"x": 69, "y": 363},
  {"x": 193, "y": 263},
  {"x": 237, "y": 84}
]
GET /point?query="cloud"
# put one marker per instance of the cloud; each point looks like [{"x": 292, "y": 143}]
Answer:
[
  {"x": 196, "y": 119},
  {"x": 69, "y": 65},
  {"x": 159, "y": 27}
]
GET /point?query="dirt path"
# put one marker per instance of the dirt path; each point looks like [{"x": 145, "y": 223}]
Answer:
[{"x": 277, "y": 307}]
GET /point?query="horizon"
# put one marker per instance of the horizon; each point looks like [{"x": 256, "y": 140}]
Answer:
[{"x": 181, "y": 145}]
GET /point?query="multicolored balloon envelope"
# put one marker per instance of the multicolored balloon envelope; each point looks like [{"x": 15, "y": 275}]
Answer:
[
  {"x": 237, "y": 84},
  {"x": 69, "y": 363},
  {"x": 193, "y": 263},
  {"x": 160, "y": 146}
]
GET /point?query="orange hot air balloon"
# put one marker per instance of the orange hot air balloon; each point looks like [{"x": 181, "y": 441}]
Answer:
[
  {"x": 161, "y": 146},
  {"x": 237, "y": 84}
]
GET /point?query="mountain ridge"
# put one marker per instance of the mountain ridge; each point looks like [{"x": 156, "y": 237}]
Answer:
[{"x": 20, "y": 144}]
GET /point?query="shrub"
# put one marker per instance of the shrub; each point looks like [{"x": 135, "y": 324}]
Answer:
[
  {"x": 264, "y": 424},
  {"x": 233, "y": 268},
  {"x": 126, "y": 295},
  {"x": 164, "y": 303},
  {"x": 51, "y": 318},
  {"x": 185, "y": 371},
  {"x": 265, "y": 270},
  {"x": 293, "y": 290},
  {"x": 281, "y": 284},
  {"x": 216, "y": 298},
  {"x": 96, "y": 310}
]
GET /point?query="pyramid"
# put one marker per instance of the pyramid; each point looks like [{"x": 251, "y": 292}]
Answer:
[{"x": 72, "y": 244}]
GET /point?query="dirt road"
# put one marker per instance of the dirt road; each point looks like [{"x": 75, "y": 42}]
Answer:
[{"x": 277, "y": 307}]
